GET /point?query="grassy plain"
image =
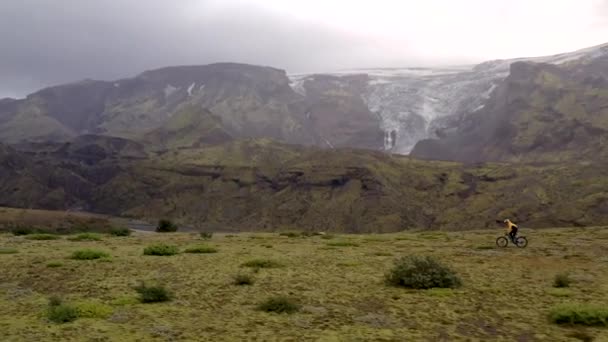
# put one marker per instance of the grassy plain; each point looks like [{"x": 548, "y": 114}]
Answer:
[{"x": 338, "y": 283}]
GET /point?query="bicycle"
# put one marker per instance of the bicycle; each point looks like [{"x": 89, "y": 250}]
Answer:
[{"x": 519, "y": 241}]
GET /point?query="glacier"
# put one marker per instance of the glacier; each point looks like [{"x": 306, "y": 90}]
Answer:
[{"x": 419, "y": 103}]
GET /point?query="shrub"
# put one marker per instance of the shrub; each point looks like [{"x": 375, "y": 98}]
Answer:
[
  {"x": 120, "y": 231},
  {"x": 61, "y": 313},
  {"x": 152, "y": 294},
  {"x": 42, "y": 237},
  {"x": 166, "y": 226},
  {"x": 243, "y": 279},
  {"x": 161, "y": 249},
  {"x": 421, "y": 273},
  {"x": 201, "y": 250},
  {"x": 279, "y": 305},
  {"x": 4, "y": 250},
  {"x": 89, "y": 254},
  {"x": 561, "y": 280},
  {"x": 20, "y": 230},
  {"x": 206, "y": 235},
  {"x": 86, "y": 237},
  {"x": 262, "y": 263},
  {"x": 54, "y": 264},
  {"x": 580, "y": 314},
  {"x": 342, "y": 244},
  {"x": 290, "y": 234}
]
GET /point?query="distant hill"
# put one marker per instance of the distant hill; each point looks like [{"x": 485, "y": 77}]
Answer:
[
  {"x": 378, "y": 109},
  {"x": 243, "y": 101},
  {"x": 264, "y": 185}
]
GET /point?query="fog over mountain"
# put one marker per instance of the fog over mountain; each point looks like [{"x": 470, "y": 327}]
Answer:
[{"x": 47, "y": 42}]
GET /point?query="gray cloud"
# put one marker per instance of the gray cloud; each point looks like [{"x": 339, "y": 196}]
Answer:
[
  {"x": 601, "y": 12},
  {"x": 46, "y": 42}
]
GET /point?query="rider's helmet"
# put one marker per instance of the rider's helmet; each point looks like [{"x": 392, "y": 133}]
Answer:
[{"x": 506, "y": 220}]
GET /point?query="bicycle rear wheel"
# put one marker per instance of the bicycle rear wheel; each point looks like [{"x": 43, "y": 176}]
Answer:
[
  {"x": 521, "y": 242},
  {"x": 502, "y": 241}
]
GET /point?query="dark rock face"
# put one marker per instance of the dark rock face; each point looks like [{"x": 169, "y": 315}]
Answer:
[
  {"x": 540, "y": 112},
  {"x": 77, "y": 106},
  {"x": 268, "y": 185},
  {"x": 94, "y": 148},
  {"x": 338, "y": 114},
  {"x": 236, "y": 100}
]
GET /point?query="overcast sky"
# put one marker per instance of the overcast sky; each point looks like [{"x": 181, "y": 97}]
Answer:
[{"x": 46, "y": 42}]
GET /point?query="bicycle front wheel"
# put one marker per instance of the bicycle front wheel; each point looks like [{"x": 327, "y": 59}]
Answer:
[
  {"x": 502, "y": 241},
  {"x": 521, "y": 242}
]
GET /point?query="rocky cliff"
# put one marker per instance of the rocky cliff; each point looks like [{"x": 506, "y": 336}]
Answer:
[{"x": 541, "y": 112}]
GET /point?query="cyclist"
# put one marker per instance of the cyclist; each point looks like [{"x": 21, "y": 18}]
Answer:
[{"x": 511, "y": 228}]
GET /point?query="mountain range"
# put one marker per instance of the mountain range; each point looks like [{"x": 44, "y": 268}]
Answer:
[
  {"x": 378, "y": 109},
  {"x": 245, "y": 147}
]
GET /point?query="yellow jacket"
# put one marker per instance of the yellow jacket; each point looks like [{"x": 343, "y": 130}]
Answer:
[{"x": 510, "y": 225}]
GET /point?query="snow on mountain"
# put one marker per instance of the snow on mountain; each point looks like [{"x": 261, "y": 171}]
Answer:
[{"x": 418, "y": 103}]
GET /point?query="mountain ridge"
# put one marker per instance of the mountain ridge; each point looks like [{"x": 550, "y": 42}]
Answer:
[
  {"x": 378, "y": 109},
  {"x": 540, "y": 112},
  {"x": 265, "y": 185}
]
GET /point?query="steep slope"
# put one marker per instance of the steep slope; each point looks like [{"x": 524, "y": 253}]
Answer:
[
  {"x": 264, "y": 185},
  {"x": 541, "y": 112},
  {"x": 414, "y": 104},
  {"x": 191, "y": 126},
  {"x": 243, "y": 101},
  {"x": 386, "y": 109},
  {"x": 25, "y": 183},
  {"x": 338, "y": 113},
  {"x": 92, "y": 149}
]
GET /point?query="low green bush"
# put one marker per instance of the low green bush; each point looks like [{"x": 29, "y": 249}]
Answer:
[
  {"x": 279, "y": 305},
  {"x": 290, "y": 234},
  {"x": 153, "y": 294},
  {"x": 22, "y": 230},
  {"x": 166, "y": 226},
  {"x": 161, "y": 249},
  {"x": 417, "y": 272},
  {"x": 58, "y": 312},
  {"x": 89, "y": 254},
  {"x": 580, "y": 314},
  {"x": 120, "y": 231}
]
